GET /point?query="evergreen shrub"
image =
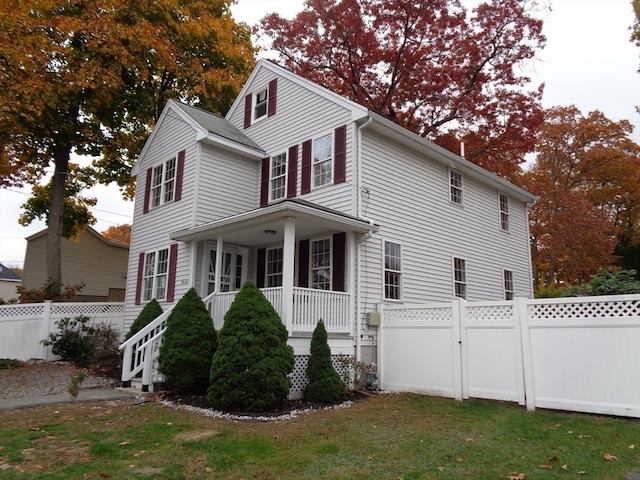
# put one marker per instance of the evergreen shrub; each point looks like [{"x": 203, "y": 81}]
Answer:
[
  {"x": 149, "y": 313},
  {"x": 188, "y": 346},
  {"x": 250, "y": 367},
  {"x": 325, "y": 384}
]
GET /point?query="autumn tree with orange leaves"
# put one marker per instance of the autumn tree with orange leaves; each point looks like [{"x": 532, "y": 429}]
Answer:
[
  {"x": 90, "y": 77},
  {"x": 432, "y": 66},
  {"x": 586, "y": 176},
  {"x": 118, "y": 234}
]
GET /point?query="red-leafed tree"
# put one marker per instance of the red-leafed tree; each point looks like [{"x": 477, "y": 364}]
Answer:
[
  {"x": 585, "y": 175},
  {"x": 445, "y": 73}
]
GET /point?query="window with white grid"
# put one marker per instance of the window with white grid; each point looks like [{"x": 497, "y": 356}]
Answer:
[
  {"x": 460, "y": 277},
  {"x": 274, "y": 267},
  {"x": 322, "y": 161},
  {"x": 392, "y": 271},
  {"x": 156, "y": 270},
  {"x": 508, "y": 284},
  {"x": 455, "y": 186},
  {"x": 278, "y": 176},
  {"x": 504, "y": 212},
  {"x": 163, "y": 183},
  {"x": 321, "y": 264}
]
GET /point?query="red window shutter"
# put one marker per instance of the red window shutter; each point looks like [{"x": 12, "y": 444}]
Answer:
[
  {"x": 139, "y": 278},
  {"x": 147, "y": 191},
  {"x": 303, "y": 264},
  {"x": 261, "y": 267},
  {"x": 264, "y": 182},
  {"x": 306, "y": 168},
  {"x": 171, "y": 280},
  {"x": 339, "y": 260},
  {"x": 179, "y": 175},
  {"x": 292, "y": 172},
  {"x": 273, "y": 92},
  {"x": 340, "y": 155},
  {"x": 248, "y": 101}
]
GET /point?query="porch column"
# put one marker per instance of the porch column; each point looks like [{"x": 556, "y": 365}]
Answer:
[
  {"x": 288, "y": 271},
  {"x": 218, "y": 265}
]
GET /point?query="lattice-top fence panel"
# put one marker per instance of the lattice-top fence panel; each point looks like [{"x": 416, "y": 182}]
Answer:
[
  {"x": 26, "y": 310},
  {"x": 87, "y": 309},
  {"x": 590, "y": 309},
  {"x": 490, "y": 312},
  {"x": 342, "y": 364},
  {"x": 419, "y": 314}
]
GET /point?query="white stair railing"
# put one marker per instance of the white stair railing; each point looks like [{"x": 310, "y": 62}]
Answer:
[{"x": 140, "y": 352}]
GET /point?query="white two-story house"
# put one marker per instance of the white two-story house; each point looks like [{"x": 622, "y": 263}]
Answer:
[{"x": 329, "y": 208}]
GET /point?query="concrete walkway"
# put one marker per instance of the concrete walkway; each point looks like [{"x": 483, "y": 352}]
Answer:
[{"x": 88, "y": 395}]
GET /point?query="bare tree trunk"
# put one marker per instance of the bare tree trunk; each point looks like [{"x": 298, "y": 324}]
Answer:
[{"x": 56, "y": 210}]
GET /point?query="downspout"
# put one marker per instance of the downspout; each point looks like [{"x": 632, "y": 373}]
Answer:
[{"x": 360, "y": 240}]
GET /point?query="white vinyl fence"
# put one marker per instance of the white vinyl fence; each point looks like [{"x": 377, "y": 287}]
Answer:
[
  {"x": 578, "y": 354},
  {"x": 23, "y": 326}
]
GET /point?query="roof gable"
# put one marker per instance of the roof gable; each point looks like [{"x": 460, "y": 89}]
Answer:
[
  {"x": 9, "y": 275},
  {"x": 357, "y": 110}
]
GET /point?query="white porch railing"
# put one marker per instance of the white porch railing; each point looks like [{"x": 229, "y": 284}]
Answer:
[{"x": 309, "y": 306}]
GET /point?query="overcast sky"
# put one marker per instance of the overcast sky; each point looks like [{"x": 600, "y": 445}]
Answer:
[{"x": 588, "y": 62}]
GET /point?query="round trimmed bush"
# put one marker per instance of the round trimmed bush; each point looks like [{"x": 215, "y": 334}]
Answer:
[
  {"x": 188, "y": 346},
  {"x": 325, "y": 384},
  {"x": 250, "y": 367},
  {"x": 149, "y": 313}
]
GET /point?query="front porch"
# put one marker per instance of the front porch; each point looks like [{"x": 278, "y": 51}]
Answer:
[{"x": 309, "y": 306}]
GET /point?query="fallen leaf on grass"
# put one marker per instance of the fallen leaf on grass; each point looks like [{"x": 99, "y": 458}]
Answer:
[
  {"x": 632, "y": 447},
  {"x": 609, "y": 458},
  {"x": 545, "y": 466},
  {"x": 126, "y": 442},
  {"x": 565, "y": 467},
  {"x": 441, "y": 468},
  {"x": 517, "y": 476}
]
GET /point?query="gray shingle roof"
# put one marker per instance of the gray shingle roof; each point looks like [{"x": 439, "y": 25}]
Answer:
[{"x": 6, "y": 274}]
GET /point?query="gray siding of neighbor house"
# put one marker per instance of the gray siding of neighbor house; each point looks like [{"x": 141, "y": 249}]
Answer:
[
  {"x": 408, "y": 196},
  {"x": 301, "y": 115},
  {"x": 100, "y": 266}
]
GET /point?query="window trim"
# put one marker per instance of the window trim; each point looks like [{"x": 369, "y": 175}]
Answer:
[
  {"x": 508, "y": 294},
  {"x": 259, "y": 104},
  {"x": 464, "y": 282},
  {"x": 273, "y": 275},
  {"x": 165, "y": 185},
  {"x": 284, "y": 174},
  {"x": 504, "y": 215},
  {"x": 155, "y": 275},
  {"x": 330, "y": 159},
  {"x": 458, "y": 188},
  {"x": 330, "y": 267},
  {"x": 400, "y": 286}
]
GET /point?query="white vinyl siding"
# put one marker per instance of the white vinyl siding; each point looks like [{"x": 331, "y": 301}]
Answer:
[{"x": 392, "y": 280}]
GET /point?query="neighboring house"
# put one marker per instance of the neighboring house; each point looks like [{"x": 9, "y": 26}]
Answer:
[
  {"x": 9, "y": 280},
  {"x": 91, "y": 259},
  {"x": 329, "y": 208}
]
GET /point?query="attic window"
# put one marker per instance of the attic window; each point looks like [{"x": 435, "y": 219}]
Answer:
[
  {"x": 163, "y": 183},
  {"x": 261, "y": 104}
]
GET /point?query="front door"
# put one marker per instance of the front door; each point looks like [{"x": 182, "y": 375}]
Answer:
[{"x": 233, "y": 271}]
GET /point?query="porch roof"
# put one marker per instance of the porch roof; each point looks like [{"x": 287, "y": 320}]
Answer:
[{"x": 250, "y": 228}]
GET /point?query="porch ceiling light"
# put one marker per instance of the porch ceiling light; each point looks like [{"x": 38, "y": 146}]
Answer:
[{"x": 270, "y": 233}]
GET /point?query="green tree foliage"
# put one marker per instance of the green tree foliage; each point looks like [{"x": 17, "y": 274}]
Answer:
[
  {"x": 91, "y": 77},
  {"x": 607, "y": 282},
  {"x": 250, "y": 367},
  {"x": 325, "y": 384},
  {"x": 189, "y": 344},
  {"x": 150, "y": 312}
]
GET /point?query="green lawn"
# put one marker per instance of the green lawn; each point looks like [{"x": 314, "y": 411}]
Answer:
[{"x": 400, "y": 436}]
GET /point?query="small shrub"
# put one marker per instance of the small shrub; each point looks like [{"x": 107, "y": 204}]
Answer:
[
  {"x": 7, "y": 363},
  {"x": 250, "y": 367},
  {"x": 83, "y": 343},
  {"x": 188, "y": 346},
  {"x": 75, "y": 384},
  {"x": 607, "y": 282},
  {"x": 52, "y": 290},
  {"x": 325, "y": 384}
]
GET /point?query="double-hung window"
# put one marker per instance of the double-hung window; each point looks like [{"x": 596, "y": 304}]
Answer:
[
  {"x": 508, "y": 284},
  {"x": 163, "y": 183},
  {"x": 156, "y": 270},
  {"x": 260, "y": 110},
  {"x": 392, "y": 271},
  {"x": 274, "y": 267},
  {"x": 321, "y": 264},
  {"x": 322, "y": 161},
  {"x": 278, "y": 176},
  {"x": 455, "y": 186},
  {"x": 503, "y": 200},
  {"x": 459, "y": 277}
]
